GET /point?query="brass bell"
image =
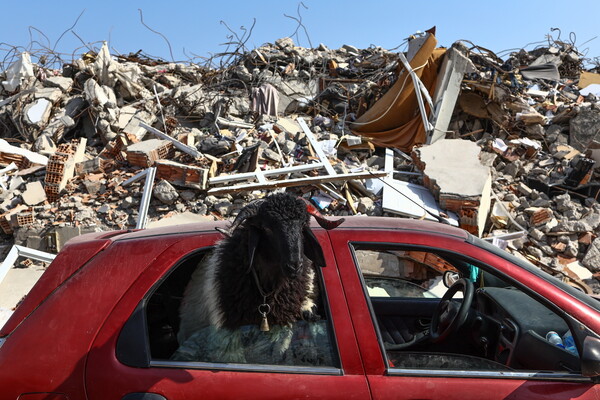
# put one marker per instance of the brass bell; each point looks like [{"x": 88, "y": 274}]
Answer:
[{"x": 264, "y": 324}]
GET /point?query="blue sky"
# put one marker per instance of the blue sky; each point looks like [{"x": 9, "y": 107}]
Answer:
[{"x": 195, "y": 25}]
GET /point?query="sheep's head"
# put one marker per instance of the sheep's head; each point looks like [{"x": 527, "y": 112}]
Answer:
[{"x": 279, "y": 233}]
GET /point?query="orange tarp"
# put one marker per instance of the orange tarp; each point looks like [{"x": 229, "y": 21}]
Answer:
[{"x": 395, "y": 119}]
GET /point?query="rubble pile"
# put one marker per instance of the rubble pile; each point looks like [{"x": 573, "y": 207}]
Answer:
[{"x": 114, "y": 142}]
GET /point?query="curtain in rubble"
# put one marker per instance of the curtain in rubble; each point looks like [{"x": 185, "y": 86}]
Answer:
[{"x": 395, "y": 120}]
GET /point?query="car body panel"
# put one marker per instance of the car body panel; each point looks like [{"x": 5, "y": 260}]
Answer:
[
  {"x": 55, "y": 339},
  {"x": 66, "y": 263},
  {"x": 62, "y": 339},
  {"x": 386, "y": 384},
  {"x": 109, "y": 378}
]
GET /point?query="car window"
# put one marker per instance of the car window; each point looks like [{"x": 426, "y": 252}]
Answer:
[
  {"x": 399, "y": 273},
  {"x": 504, "y": 330},
  {"x": 305, "y": 343}
]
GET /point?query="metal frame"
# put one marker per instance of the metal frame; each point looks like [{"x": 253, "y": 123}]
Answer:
[
  {"x": 420, "y": 92},
  {"x": 246, "y": 367},
  {"x": 542, "y": 376},
  {"x": 149, "y": 174},
  {"x": 20, "y": 251}
]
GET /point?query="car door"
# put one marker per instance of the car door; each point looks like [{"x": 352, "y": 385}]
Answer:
[
  {"x": 386, "y": 379},
  {"x": 132, "y": 357}
]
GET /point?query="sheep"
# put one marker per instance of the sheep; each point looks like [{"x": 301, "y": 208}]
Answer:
[{"x": 261, "y": 272}]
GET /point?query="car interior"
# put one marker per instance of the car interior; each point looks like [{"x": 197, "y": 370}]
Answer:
[
  {"x": 438, "y": 311},
  {"x": 308, "y": 344}
]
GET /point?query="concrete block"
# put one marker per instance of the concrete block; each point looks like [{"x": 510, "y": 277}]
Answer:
[
  {"x": 61, "y": 82},
  {"x": 52, "y": 94},
  {"x": 38, "y": 112},
  {"x": 59, "y": 236},
  {"x": 454, "y": 174},
  {"x": 34, "y": 193}
]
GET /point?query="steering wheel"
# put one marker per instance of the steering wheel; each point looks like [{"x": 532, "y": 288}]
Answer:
[{"x": 449, "y": 314}]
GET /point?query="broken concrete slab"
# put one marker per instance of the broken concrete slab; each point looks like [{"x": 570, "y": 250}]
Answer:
[
  {"x": 104, "y": 66},
  {"x": 34, "y": 193},
  {"x": 592, "y": 256},
  {"x": 63, "y": 83},
  {"x": 459, "y": 181},
  {"x": 411, "y": 200},
  {"x": 181, "y": 174},
  {"x": 125, "y": 115},
  {"x": 58, "y": 237},
  {"x": 16, "y": 284},
  {"x": 38, "y": 112},
  {"x": 22, "y": 157},
  {"x": 134, "y": 128},
  {"x": 51, "y": 94},
  {"x": 446, "y": 92},
  {"x": 145, "y": 153}
]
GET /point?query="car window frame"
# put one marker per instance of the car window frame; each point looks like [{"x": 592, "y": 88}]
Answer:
[
  {"x": 529, "y": 267},
  {"x": 452, "y": 255},
  {"x": 133, "y": 344}
]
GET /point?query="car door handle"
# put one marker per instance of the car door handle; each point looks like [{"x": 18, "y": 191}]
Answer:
[
  {"x": 143, "y": 396},
  {"x": 423, "y": 323}
]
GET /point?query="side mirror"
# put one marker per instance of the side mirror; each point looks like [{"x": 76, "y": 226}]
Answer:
[
  {"x": 450, "y": 277},
  {"x": 590, "y": 359}
]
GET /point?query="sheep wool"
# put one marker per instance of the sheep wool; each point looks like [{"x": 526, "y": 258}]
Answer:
[{"x": 263, "y": 263}]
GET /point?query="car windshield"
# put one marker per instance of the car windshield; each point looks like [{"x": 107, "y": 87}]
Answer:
[{"x": 578, "y": 294}]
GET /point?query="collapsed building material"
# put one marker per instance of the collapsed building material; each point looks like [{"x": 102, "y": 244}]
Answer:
[
  {"x": 261, "y": 181},
  {"x": 20, "y": 251},
  {"x": 38, "y": 112},
  {"x": 17, "y": 72},
  {"x": 391, "y": 121},
  {"x": 180, "y": 146},
  {"x": 8, "y": 220},
  {"x": 148, "y": 174},
  {"x": 21, "y": 157},
  {"x": 34, "y": 193},
  {"x": 538, "y": 136},
  {"x": 409, "y": 199},
  {"x": 181, "y": 174},
  {"x": 146, "y": 153},
  {"x": 453, "y": 172},
  {"x": 446, "y": 92},
  {"x": 136, "y": 126},
  {"x": 61, "y": 167}
]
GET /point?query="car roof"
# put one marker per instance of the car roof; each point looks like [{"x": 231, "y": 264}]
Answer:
[{"x": 351, "y": 222}]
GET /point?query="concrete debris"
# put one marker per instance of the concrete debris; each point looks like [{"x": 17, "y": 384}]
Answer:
[
  {"x": 34, "y": 193},
  {"x": 460, "y": 182},
  {"x": 20, "y": 70},
  {"x": 165, "y": 192},
  {"x": 505, "y": 148}
]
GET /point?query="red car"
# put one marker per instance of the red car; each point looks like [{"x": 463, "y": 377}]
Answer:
[{"x": 102, "y": 323}]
